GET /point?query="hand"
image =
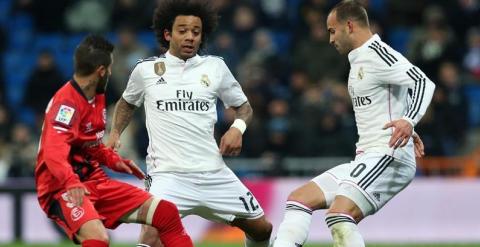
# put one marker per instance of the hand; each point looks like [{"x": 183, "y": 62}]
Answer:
[
  {"x": 113, "y": 141},
  {"x": 76, "y": 194},
  {"x": 402, "y": 131},
  {"x": 231, "y": 142},
  {"x": 128, "y": 166},
  {"x": 419, "y": 148}
]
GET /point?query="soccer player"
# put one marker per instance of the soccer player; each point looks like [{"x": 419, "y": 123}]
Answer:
[
  {"x": 386, "y": 112},
  {"x": 73, "y": 190},
  {"x": 179, "y": 91}
]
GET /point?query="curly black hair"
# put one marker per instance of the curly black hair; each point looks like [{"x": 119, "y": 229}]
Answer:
[{"x": 168, "y": 10}]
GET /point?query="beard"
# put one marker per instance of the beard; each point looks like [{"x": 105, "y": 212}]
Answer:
[{"x": 102, "y": 84}]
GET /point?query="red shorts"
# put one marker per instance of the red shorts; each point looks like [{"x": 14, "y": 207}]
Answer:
[{"x": 109, "y": 200}]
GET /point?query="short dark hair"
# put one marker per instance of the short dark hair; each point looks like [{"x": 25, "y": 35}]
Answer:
[
  {"x": 351, "y": 9},
  {"x": 92, "y": 52},
  {"x": 167, "y": 10}
]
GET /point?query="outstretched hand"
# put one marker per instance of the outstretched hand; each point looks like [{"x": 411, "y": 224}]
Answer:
[
  {"x": 128, "y": 166},
  {"x": 402, "y": 131},
  {"x": 231, "y": 142}
]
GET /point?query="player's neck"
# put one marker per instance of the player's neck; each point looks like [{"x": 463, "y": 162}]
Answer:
[
  {"x": 88, "y": 84},
  {"x": 362, "y": 36}
]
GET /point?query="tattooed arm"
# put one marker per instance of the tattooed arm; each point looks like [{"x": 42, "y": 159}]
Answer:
[
  {"x": 231, "y": 142},
  {"x": 121, "y": 118}
]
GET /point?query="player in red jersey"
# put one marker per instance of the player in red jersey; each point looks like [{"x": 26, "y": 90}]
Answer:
[{"x": 73, "y": 190}]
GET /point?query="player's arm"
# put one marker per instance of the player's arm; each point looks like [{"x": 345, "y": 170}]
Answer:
[
  {"x": 403, "y": 73},
  {"x": 131, "y": 99},
  {"x": 111, "y": 159},
  {"x": 232, "y": 95},
  {"x": 60, "y": 128},
  {"x": 121, "y": 118}
]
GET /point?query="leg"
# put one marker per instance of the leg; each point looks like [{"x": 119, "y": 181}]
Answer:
[
  {"x": 93, "y": 234},
  {"x": 149, "y": 237},
  {"x": 257, "y": 231},
  {"x": 293, "y": 231},
  {"x": 163, "y": 216},
  {"x": 342, "y": 219}
]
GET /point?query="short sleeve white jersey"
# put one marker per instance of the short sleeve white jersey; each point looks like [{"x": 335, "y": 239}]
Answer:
[
  {"x": 385, "y": 86},
  {"x": 180, "y": 100}
]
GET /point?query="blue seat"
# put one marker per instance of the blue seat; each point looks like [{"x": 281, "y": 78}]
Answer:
[
  {"x": 17, "y": 67},
  {"x": 148, "y": 38},
  {"x": 5, "y": 6},
  {"x": 53, "y": 42},
  {"x": 399, "y": 38},
  {"x": 473, "y": 96}
]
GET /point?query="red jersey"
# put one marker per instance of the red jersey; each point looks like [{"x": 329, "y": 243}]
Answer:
[{"x": 72, "y": 123}]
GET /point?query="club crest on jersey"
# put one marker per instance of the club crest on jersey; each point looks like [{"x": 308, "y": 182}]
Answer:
[
  {"x": 360, "y": 73},
  {"x": 160, "y": 68},
  {"x": 77, "y": 213},
  {"x": 351, "y": 91},
  {"x": 205, "y": 81},
  {"x": 65, "y": 114}
]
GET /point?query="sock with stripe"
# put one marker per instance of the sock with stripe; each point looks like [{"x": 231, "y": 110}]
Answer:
[
  {"x": 142, "y": 245},
  {"x": 170, "y": 228},
  {"x": 293, "y": 231},
  {"x": 344, "y": 230},
  {"x": 94, "y": 243}
]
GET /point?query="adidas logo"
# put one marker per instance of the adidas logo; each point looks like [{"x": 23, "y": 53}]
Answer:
[
  {"x": 376, "y": 195},
  {"x": 161, "y": 81},
  {"x": 298, "y": 245}
]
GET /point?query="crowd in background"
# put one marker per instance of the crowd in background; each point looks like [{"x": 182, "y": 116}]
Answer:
[{"x": 277, "y": 49}]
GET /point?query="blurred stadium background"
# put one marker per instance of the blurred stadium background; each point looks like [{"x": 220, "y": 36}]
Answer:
[{"x": 296, "y": 83}]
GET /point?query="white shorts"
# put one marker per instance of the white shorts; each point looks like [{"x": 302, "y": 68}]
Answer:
[
  {"x": 370, "y": 181},
  {"x": 216, "y": 195}
]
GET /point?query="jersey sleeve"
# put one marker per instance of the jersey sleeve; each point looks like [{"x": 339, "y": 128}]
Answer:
[
  {"x": 401, "y": 72},
  {"x": 62, "y": 121},
  {"x": 230, "y": 91},
  {"x": 134, "y": 92}
]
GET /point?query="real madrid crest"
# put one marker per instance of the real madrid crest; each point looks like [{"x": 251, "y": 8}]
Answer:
[
  {"x": 360, "y": 73},
  {"x": 160, "y": 68},
  {"x": 205, "y": 81}
]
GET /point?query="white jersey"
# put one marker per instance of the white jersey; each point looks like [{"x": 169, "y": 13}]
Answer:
[
  {"x": 385, "y": 86},
  {"x": 180, "y": 100}
]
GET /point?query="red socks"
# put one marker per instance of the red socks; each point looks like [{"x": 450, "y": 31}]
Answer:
[
  {"x": 94, "y": 243},
  {"x": 170, "y": 229}
]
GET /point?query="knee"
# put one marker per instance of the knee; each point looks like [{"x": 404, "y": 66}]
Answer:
[
  {"x": 95, "y": 235},
  {"x": 262, "y": 232}
]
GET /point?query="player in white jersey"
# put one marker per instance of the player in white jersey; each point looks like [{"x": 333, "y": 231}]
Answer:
[
  {"x": 379, "y": 82},
  {"x": 179, "y": 91}
]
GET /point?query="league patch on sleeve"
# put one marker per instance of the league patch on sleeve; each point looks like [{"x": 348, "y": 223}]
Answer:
[{"x": 65, "y": 114}]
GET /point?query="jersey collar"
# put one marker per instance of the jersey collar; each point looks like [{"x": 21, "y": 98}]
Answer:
[
  {"x": 355, "y": 53},
  {"x": 173, "y": 59},
  {"x": 77, "y": 88}
]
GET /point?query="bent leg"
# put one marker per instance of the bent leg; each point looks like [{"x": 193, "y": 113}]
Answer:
[
  {"x": 164, "y": 217},
  {"x": 93, "y": 234},
  {"x": 257, "y": 231},
  {"x": 342, "y": 219},
  {"x": 293, "y": 231}
]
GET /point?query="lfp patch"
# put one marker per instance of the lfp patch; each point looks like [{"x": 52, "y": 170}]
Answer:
[{"x": 65, "y": 114}]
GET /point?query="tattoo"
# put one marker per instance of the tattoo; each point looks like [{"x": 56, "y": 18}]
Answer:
[
  {"x": 244, "y": 112},
  {"x": 122, "y": 116}
]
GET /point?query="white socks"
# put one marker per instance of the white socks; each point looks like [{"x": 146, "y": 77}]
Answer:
[
  {"x": 344, "y": 230},
  {"x": 293, "y": 230}
]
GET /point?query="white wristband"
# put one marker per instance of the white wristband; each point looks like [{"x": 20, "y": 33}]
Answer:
[{"x": 240, "y": 125}]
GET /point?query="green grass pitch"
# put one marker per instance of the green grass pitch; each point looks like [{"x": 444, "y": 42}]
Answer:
[{"x": 239, "y": 245}]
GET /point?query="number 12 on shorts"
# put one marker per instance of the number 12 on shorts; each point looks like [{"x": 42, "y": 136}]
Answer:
[{"x": 250, "y": 206}]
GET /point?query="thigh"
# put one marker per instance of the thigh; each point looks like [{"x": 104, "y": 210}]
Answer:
[
  {"x": 329, "y": 183},
  {"x": 178, "y": 188},
  {"x": 373, "y": 180},
  {"x": 228, "y": 198},
  {"x": 69, "y": 217},
  {"x": 116, "y": 199}
]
